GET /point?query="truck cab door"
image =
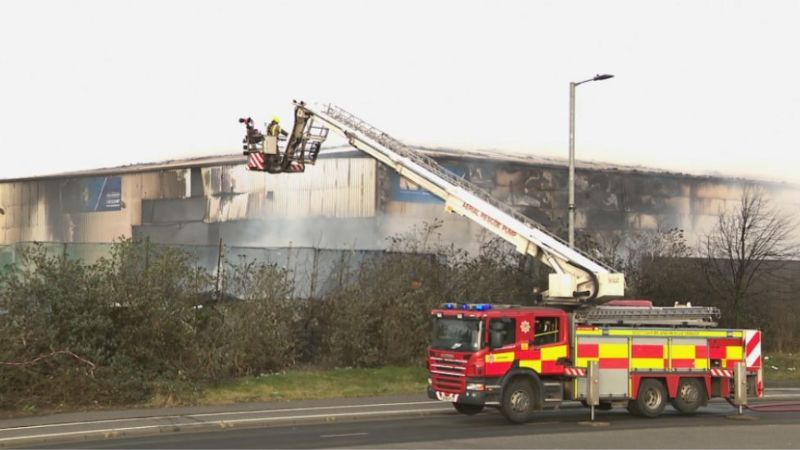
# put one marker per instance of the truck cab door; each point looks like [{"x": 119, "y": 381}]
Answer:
[
  {"x": 550, "y": 341},
  {"x": 502, "y": 346}
]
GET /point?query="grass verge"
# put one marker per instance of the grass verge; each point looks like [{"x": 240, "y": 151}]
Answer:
[
  {"x": 317, "y": 384},
  {"x": 309, "y": 384},
  {"x": 781, "y": 367}
]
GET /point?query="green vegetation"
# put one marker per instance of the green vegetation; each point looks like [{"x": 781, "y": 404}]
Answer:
[
  {"x": 316, "y": 384},
  {"x": 147, "y": 324},
  {"x": 781, "y": 367}
]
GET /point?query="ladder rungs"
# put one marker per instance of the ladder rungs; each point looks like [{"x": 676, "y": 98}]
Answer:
[
  {"x": 429, "y": 163},
  {"x": 673, "y": 316}
]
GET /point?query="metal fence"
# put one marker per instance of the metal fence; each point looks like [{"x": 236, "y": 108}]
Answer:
[{"x": 314, "y": 272}]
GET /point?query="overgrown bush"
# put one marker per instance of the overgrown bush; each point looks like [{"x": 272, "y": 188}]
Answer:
[
  {"x": 144, "y": 322},
  {"x": 147, "y": 322},
  {"x": 383, "y": 315}
]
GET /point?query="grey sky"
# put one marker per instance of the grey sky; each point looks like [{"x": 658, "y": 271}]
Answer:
[{"x": 700, "y": 86}]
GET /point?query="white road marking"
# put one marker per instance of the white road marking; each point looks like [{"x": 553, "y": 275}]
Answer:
[
  {"x": 225, "y": 423},
  {"x": 228, "y": 413},
  {"x": 342, "y": 435},
  {"x": 73, "y": 433},
  {"x": 220, "y": 423}
]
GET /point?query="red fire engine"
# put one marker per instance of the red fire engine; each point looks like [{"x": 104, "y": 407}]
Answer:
[{"x": 520, "y": 359}]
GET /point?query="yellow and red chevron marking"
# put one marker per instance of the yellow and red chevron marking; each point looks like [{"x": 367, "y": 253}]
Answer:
[
  {"x": 726, "y": 351},
  {"x": 648, "y": 356},
  {"x": 688, "y": 356},
  {"x": 656, "y": 356},
  {"x": 543, "y": 360},
  {"x": 608, "y": 356}
]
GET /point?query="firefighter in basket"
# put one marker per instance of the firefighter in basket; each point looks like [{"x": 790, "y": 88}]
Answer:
[{"x": 274, "y": 131}]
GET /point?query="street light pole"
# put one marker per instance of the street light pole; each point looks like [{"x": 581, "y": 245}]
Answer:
[{"x": 571, "y": 181}]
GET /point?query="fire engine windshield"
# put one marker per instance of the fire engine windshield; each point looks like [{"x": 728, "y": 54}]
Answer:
[{"x": 462, "y": 335}]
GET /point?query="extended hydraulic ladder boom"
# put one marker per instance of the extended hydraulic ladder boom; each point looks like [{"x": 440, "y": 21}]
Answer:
[{"x": 578, "y": 278}]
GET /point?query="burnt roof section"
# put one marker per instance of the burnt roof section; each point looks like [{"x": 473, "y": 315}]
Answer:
[{"x": 347, "y": 151}]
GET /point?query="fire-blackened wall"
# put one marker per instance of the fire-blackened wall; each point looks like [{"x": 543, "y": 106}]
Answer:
[
  {"x": 608, "y": 201},
  {"x": 351, "y": 201}
]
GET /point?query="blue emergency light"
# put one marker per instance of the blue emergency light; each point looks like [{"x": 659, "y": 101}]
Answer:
[{"x": 468, "y": 306}]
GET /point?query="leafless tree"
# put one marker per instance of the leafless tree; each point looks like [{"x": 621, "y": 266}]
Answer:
[
  {"x": 654, "y": 260},
  {"x": 747, "y": 247}
]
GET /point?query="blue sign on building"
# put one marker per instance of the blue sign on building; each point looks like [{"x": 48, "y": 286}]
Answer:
[
  {"x": 96, "y": 194},
  {"x": 405, "y": 190}
]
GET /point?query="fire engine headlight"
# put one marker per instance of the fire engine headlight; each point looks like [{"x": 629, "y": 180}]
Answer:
[
  {"x": 430, "y": 381},
  {"x": 475, "y": 386}
]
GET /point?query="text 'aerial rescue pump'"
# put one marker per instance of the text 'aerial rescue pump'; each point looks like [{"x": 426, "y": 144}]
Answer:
[{"x": 520, "y": 359}]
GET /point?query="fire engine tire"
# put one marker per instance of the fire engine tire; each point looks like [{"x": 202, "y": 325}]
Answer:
[
  {"x": 652, "y": 398},
  {"x": 633, "y": 409},
  {"x": 690, "y": 396},
  {"x": 518, "y": 401},
  {"x": 469, "y": 410}
]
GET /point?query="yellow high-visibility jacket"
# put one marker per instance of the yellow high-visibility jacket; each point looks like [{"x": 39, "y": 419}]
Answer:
[{"x": 274, "y": 129}]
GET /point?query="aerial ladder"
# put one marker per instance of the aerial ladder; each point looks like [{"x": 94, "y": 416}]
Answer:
[{"x": 577, "y": 278}]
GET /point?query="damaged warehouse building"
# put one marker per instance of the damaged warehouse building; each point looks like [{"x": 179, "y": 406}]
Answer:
[{"x": 346, "y": 202}]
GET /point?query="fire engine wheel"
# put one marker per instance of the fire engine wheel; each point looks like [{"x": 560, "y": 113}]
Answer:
[
  {"x": 517, "y": 401},
  {"x": 469, "y": 410},
  {"x": 690, "y": 396},
  {"x": 652, "y": 399}
]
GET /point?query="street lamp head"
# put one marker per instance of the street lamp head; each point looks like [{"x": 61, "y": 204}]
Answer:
[{"x": 600, "y": 77}]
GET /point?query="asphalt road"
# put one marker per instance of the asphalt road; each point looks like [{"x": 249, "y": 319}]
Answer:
[{"x": 565, "y": 428}]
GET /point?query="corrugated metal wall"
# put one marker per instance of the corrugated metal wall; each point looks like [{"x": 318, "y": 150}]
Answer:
[
  {"x": 38, "y": 211},
  {"x": 26, "y": 213},
  {"x": 44, "y": 210},
  {"x": 340, "y": 187}
]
